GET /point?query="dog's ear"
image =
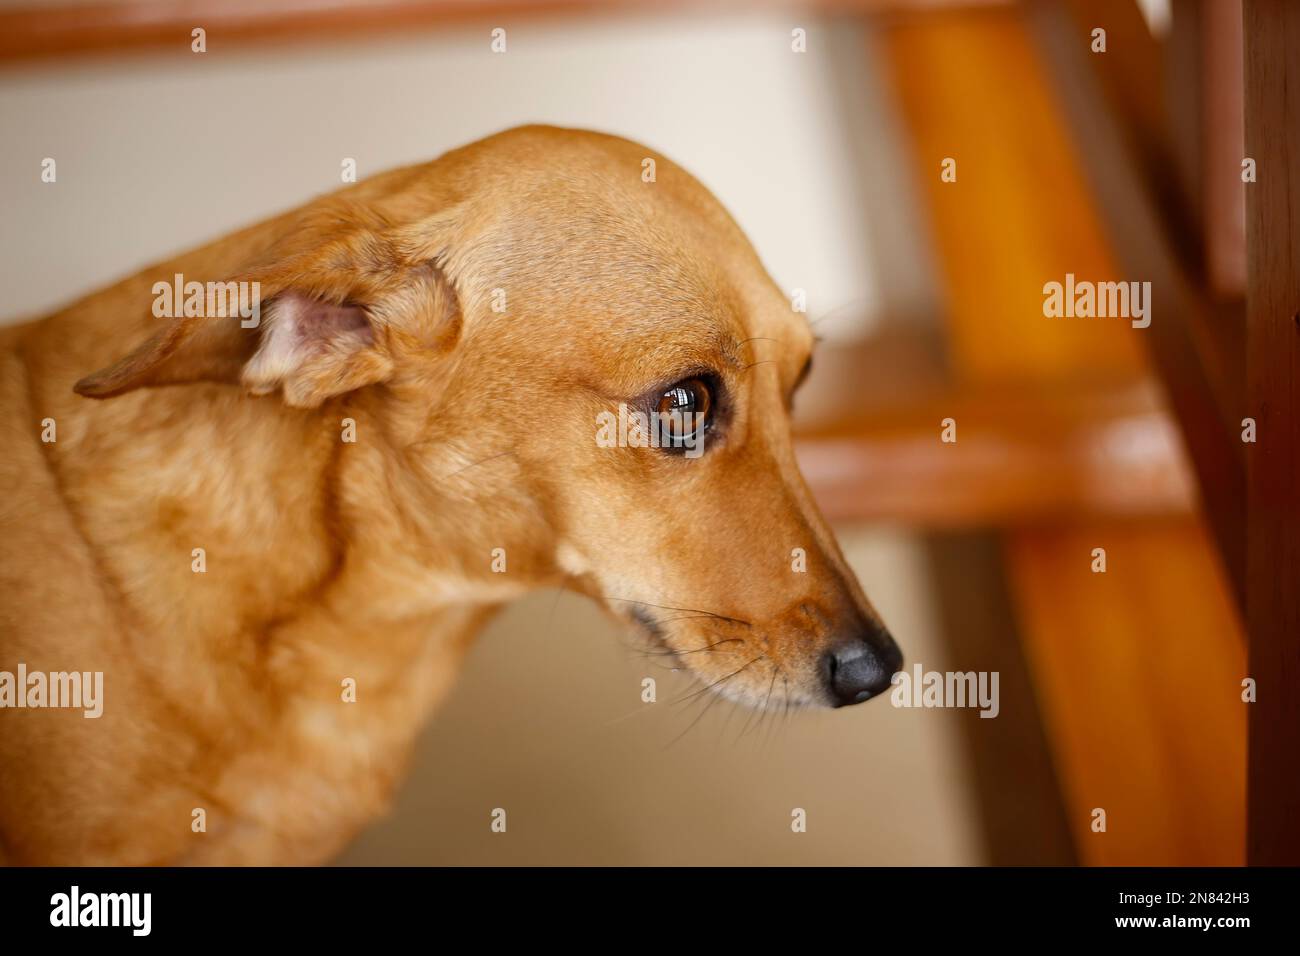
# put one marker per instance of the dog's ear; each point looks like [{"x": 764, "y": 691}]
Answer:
[
  {"x": 314, "y": 346},
  {"x": 328, "y": 317}
]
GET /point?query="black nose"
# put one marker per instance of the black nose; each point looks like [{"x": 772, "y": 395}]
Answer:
[{"x": 858, "y": 669}]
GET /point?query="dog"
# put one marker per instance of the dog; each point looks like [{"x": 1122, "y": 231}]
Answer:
[{"x": 275, "y": 537}]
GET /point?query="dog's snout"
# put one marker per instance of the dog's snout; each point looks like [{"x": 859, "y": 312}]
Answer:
[{"x": 861, "y": 667}]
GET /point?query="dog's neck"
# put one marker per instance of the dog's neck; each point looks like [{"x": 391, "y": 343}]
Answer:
[
  {"x": 255, "y": 517},
  {"x": 222, "y": 520}
]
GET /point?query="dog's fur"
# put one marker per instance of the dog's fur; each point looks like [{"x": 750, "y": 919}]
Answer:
[{"x": 372, "y": 560}]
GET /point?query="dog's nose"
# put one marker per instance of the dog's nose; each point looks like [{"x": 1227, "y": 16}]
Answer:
[{"x": 858, "y": 669}]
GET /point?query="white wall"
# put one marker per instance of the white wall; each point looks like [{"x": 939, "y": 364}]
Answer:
[{"x": 160, "y": 152}]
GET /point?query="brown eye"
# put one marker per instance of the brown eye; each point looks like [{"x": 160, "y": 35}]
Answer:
[{"x": 684, "y": 410}]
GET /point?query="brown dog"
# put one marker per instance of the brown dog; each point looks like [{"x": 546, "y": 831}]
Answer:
[{"x": 278, "y": 589}]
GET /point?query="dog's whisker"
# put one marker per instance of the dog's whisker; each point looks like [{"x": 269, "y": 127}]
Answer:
[
  {"x": 767, "y": 699},
  {"x": 693, "y": 610},
  {"x": 758, "y": 338},
  {"x": 629, "y": 715},
  {"x": 666, "y": 668},
  {"x": 649, "y": 656},
  {"x": 475, "y": 464},
  {"x": 685, "y": 617},
  {"x": 694, "y": 650},
  {"x": 762, "y": 712},
  {"x": 721, "y": 680},
  {"x": 732, "y": 710},
  {"x": 559, "y": 593},
  {"x": 713, "y": 700},
  {"x": 769, "y": 716},
  {"x": 704, "y": 710},
  {"x": 838, "y": 310}
]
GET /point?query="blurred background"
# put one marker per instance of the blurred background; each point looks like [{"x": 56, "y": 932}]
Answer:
[{"x": 1119, "y": 690}]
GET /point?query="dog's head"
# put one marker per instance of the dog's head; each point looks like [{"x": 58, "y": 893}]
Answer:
[{"x": 584, "y": 374}]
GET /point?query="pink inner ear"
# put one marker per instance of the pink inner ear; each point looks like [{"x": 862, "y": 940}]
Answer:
[
  {"x": 320, "y": 325},
  {"x": 302, "y": 330}
]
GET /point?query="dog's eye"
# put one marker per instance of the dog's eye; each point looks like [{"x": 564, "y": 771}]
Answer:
[{"x": 685, "y": 409}]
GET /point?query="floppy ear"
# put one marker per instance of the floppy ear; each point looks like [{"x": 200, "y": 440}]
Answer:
[{"x": 332, "y": 317}]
